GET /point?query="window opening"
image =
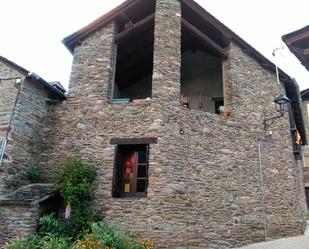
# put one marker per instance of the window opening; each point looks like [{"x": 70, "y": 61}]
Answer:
[
  {"x": 131, "y": 170},
  {"x": 202, "y": 53},
  {"x": 134, "y": 57}
]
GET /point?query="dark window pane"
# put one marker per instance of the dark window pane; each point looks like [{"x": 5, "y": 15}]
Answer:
[
  {"x": 141, "y": 185},
  {"x": 142, "y": 156},
  {"x": 141, "y": 171}
]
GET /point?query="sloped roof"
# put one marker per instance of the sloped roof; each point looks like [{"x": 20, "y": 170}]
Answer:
[
  {"x": 74, "y": 39},
  {"x": 54, "y": 91},
  {"x": 298, "y": 43}
]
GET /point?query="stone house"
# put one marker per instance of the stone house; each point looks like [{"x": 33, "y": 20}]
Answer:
[
  {"x": 24, "y": 106},
  {"x": 177, "y": 112},
  {"x": 305, "y": 101},
  {"x": 298, "y": 43}
]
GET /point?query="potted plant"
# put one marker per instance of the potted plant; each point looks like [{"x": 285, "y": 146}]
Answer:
[{"x": 184, "y": 101}]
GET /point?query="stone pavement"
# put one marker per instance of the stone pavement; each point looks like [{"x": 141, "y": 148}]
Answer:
[{"x": 300, "y": 242}]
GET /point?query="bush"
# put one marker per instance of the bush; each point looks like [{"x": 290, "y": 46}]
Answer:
[
  {"x": 74, "y": 183},
  {"x": 49, "y": 225},
  {"x": 33, "y": 174},
  {"x": 18, "y": 243},
  {"x": 110, "y": 236},
  {"x": 51, "y": 242},
  {"x": 83, "y": 228}
]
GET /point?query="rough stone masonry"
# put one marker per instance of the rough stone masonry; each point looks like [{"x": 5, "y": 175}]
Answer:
[
  {"x": 204, "y": 188},
  {"x": 204, "y": 185}
]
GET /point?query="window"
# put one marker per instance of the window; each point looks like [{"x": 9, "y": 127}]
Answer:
[
  {"x": 131, "y": 170},
  {"x": 202, "y": 54},
  {"x": 134, "y": 57}
]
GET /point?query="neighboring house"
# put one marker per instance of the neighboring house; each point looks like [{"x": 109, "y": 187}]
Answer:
[
  {"x": 24, "y": 106},
  {"x": 177, "y": 112},
  {"x": 298, "y": 43},
  {"x": 305, "y": 99}
]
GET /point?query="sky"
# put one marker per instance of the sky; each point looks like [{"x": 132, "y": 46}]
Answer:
[{"x": 31, "y": 30}]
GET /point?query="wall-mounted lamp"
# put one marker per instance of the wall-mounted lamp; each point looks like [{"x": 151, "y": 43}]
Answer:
[{"x": 282, "y": 103}]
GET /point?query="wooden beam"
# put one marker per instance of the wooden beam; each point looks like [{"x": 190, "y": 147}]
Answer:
[
  {"x": 208, "y": 18},
  {"x": 204, "y": 39},
  {"x": 71, "y": 40},
  {"x": 135, "y": 28},
  {"x": 129, "y": 141}
]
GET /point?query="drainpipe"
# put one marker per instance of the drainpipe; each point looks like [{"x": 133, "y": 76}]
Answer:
[
  {"x": 5, "y": 141},
  {"x": 262, "y": 191}
]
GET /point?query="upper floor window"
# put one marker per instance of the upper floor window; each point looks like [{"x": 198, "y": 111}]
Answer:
[
  {"x": 202, "y": 54},
  {"x": 134, "y": 57}
]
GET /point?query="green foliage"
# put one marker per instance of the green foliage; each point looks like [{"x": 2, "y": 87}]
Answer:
[
  {"x": 74, "y": 182},
  {"x": 38, "y": 242},
  {"x": 84, "y": 229},
  {"x": 34, "y": 242},
  {"x": 106, "y": 236},
  {"x": 100, "y": 236},
  {"x": 33, "y": 173},
  {"x": 51, "y": 242},
  {"x": 18, "y": 243},
  {"x": 49, "y": 225},
  {"x": 110, "y": 236}
]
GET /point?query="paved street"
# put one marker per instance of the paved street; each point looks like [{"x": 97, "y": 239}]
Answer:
[{"x": 300, "y": 242}]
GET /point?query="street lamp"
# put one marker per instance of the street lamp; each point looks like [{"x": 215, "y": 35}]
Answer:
[{"x": 282, "y": 104}]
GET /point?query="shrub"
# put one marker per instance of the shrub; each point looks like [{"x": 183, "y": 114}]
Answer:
[
  {"x": 83, "y": 225},
  {"x": 51, "y": 242},
  {"x": 49, "y": 225},
  {"x": 33, "y": 174},
  {"x": 110, "y": 236},
  {"x": 18, "y": 243},
  {"x": 74, "y": 182}
]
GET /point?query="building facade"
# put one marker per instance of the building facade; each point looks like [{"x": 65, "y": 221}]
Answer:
[
  {"x": 24, "y": 106},
  {"x": 177, "y": 113},
  {"x": 298, "y": 43}
]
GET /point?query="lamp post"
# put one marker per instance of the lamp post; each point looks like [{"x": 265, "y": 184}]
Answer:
[{"x": 282, "y": 104}]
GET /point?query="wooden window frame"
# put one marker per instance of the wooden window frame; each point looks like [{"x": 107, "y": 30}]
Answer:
[{"x": 118, "y": 176}]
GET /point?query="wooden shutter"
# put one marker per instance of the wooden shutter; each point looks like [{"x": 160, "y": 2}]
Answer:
[{"x": 117, "y": 177}]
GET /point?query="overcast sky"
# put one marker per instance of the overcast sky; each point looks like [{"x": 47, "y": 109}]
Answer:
[{"x": 32, "y": 30}]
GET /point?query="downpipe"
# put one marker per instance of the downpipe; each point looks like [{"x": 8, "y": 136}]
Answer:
[
  {"x": 262, "y": 191},
  {"x": 6, "y": 139}
]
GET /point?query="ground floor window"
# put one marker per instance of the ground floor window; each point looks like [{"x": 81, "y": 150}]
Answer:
[{"x": 131, "y": 170}]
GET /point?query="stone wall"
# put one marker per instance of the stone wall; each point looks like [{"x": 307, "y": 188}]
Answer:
[
  {"x": 27, "y": 127},
  {"x": 8, "y": 94},
  {"x": 306, "y": 148},
  {"x": 19, "y": 211},
  {"x": 205, "y": 184}
]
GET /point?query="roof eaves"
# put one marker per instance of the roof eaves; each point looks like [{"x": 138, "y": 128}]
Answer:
[
  {"x": 71, "y": 40},
  {"x": 14, "y": 65},
  {"x": 59, "y": 94},
  {"x": 288, "y": 36}
]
